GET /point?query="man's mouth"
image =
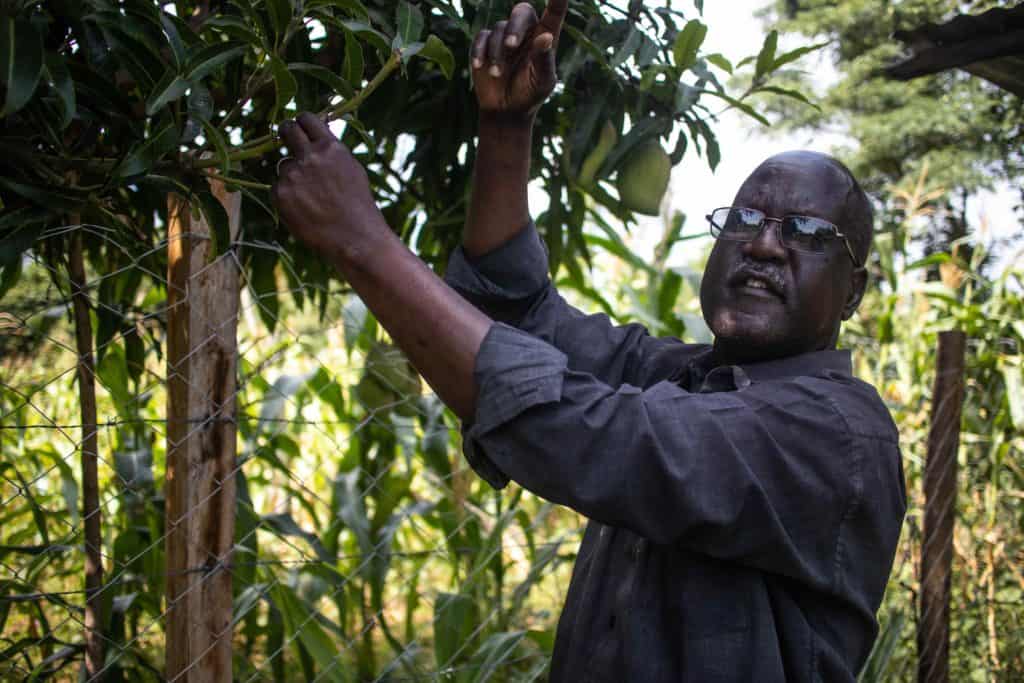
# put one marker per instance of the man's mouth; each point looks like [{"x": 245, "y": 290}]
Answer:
[{"x": 756, "y": 284}]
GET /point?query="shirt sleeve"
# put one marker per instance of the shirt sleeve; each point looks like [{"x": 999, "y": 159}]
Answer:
[
  {"x": 511, "y": 285},
  {"x": 773, "y": 475}
]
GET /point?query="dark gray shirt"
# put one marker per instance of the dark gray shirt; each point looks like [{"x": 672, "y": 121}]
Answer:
[{"x": 744, "y": 519}]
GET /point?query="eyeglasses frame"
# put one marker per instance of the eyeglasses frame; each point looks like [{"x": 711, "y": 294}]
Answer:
[{"x": 770, "y": 219}]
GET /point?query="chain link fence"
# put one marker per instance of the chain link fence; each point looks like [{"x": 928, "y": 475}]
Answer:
[
  {"x": 354, "y": 542},
  {"x": 362, "y": 547}
]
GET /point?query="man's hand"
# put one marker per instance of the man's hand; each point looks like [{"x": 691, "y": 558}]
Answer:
[
  {"x": 514, "y": 62},
  {"x": 323, "y": 194},
  {"x": 324, "y": 198}
]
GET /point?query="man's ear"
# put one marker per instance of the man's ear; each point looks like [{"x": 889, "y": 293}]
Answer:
[{"x": 858, "y": 283}]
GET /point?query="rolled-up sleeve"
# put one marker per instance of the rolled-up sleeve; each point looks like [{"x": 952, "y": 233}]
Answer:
[
  {"x": 511, "y": 285},
  {"x": 505, "y": 282},
  {"x": 771, "y": 475}
]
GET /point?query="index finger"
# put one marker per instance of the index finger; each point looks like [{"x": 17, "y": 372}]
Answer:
[
  {"x": 315, "y": 127},
  {"x": 553, "y": 17}
]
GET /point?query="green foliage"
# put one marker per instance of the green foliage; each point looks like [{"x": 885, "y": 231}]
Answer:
[
  {"x": 963, "y": 131},
  {"x": 364, "y": 548}
]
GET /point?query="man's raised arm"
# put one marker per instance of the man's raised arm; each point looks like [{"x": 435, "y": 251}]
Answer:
[{"x": 513, "y": 67}]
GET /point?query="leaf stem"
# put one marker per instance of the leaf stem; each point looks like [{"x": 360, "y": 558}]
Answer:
[
  {"x": 228, "y": 180},
  {"x": 257, "y": 147}
]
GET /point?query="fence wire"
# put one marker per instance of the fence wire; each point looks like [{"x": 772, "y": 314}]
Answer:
[
  {"x": 364, "y": 549},
  {"x": 356, "y": 556}
]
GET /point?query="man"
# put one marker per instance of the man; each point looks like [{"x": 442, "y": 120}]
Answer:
[{"x": 745, "y": 498}]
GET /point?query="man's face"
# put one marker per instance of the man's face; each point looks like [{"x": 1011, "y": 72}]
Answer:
[{"x": 762, "y": 300}]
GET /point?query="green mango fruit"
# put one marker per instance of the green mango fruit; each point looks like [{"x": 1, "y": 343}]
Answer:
[
  {"x": 643, "y": 178},
  {"x": 605, "y": 143}
]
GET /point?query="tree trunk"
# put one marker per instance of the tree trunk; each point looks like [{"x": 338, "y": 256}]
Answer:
[{"x": 90, "y": 479}]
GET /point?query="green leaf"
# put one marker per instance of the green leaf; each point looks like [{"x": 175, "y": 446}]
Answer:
[
  {"x": 436, "y": 51},
  {"x": 1013, "y": 375},
  {"x": 352, "y": 69},
  {"x": 369, "y": 34},
  {"x": 237, "y": 28},
  {"x": 207, "y": 60},
  {"x": 688, "y": 42},
  {"x": 788, "y": 92},
  {"x": 336, "y": 83},
  {"x": 454, "y": 618},
  {"x": 766, "y": 57},
  {"x": 173, "y": 39},
  {"x": 408, "y": 25},
  {"x": 169, "y": 89},
  {"x": 720, "y": 61},
  {"x": 216, "y": 217},
  {"x": 285, "y": 86},
  {"x": 632, "y": 43},
  {"x": 494, "y": 653},
  {"x": 796, "y": 54},
  {"x": 57, "y": 74},
  {"x": 264, "y": 285},
  {"x": 283, "y": 524},
  {"x": 280, "y": 12},
  {"x": 142, "y": 158},
  {"x": 668, "y": 293},
  {"x": 10, "y": 273},
  {"x": 43, "y": 196},
  {"x": 742, "y": 106},
  {"x": 302, "y": 629},
  {"x": 21, "y": 62},
  {"x": 25, "y": 233},
  {"x": 220, "y": 145}
]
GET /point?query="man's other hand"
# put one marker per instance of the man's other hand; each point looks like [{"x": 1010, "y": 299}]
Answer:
[
  {"x": 322, "y": 192},
  {"x": 514, "y": 61}
]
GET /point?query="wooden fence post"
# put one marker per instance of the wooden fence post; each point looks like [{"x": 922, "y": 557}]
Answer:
[
  {"x": 940, "y": 472},
  {"x": 202, "y": 318}
]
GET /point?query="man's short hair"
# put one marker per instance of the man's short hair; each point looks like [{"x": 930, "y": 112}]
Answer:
[{"x": 858, "y": 215}]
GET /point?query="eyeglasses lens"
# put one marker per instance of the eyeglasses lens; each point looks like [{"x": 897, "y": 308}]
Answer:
[{"x": 806, "y": 233}]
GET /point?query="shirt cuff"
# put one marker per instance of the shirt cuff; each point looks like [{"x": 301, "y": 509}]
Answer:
[
  {"x": 514, "y": 372},
  {"x": 516, "y": 270}
]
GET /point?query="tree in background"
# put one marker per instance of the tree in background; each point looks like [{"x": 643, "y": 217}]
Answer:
[{"x": 965, "y": 131}]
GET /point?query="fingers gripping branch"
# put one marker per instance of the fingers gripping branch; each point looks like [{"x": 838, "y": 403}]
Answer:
[{"x": 514, "y": 60}]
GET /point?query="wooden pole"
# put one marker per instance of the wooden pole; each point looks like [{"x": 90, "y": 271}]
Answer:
[
  {"x": 90, "y": 452},
  {"x": 202, "y": 319},
  {"x": 940, "y": 472}
]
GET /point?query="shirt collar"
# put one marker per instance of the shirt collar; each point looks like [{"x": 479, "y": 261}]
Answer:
[{"x": 705, "y": 377}]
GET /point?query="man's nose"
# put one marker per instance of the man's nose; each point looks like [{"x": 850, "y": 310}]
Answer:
[{"x": 767, "y": 246}]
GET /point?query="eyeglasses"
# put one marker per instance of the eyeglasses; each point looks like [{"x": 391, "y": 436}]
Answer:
[{"x": 800, "y": 233}]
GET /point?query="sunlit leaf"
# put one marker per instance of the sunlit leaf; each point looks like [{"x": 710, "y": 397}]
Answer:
[
  {"x": 766, "y": 57},
  {"x": 408, "y": 25},
  {"x": 688, "y": 42},
  {"x": 436, "y": 51}
]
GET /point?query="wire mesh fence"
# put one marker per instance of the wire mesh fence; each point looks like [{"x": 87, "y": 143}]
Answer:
[
  {"x": 359, "y": 546},
  {"x": 362, "y": 548}
]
